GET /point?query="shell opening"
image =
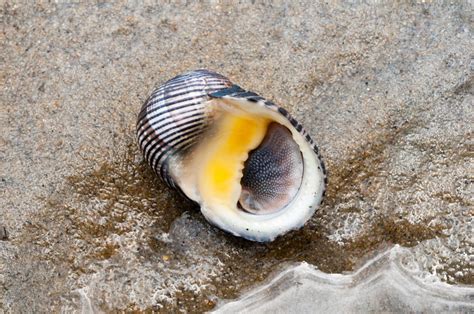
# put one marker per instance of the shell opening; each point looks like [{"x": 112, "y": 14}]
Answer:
[
  {"x": 252, "y": 171},
  {"x": 272, "y": 173},
  {"x": 249, "y": 163}
]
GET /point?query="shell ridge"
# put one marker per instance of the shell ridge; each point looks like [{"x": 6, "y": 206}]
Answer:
[
  {"x": 170, "y": 147},
  {"x": 156, "y": 111},
  {"x": 169, "y": 138},
  {"x": 173, "y": 117},
  {"x": 227, "y": 91},
  {"x": 148, "y": 134}
]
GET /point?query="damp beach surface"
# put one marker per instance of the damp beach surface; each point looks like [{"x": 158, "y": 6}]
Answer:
[{"x": 385, "y": 90}]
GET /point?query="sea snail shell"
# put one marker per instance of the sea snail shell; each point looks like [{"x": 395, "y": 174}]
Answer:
[{"x": 252, "y": 168}]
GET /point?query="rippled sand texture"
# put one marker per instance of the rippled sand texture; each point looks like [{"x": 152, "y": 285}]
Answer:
[{"x": 386, "y": 91}]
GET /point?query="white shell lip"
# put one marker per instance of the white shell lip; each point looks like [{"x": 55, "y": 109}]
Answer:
[{"x": 177, "y": 98}]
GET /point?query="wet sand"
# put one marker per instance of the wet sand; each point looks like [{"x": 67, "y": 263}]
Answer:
[{"x": 386, "y": 92}]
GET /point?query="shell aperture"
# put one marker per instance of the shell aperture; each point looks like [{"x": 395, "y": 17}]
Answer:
[
  {"x": 272, "y": 173},
  {"x": 250, "y": 166}
]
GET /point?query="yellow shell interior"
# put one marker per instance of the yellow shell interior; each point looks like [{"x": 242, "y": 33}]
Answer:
[
  {"x": 220, "y": 169},
  {"x": 211, "y": 172}
]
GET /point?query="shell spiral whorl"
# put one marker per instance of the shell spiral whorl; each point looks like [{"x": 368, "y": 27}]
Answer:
[
  {"x": 173, "y": 117},
  {"x": 253, "y": 169}
]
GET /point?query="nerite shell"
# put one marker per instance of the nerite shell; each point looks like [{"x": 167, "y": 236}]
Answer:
[{"x": 201, "y": 111}]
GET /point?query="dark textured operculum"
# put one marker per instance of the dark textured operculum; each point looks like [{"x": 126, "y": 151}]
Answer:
[{"x": 272, "y": 173}]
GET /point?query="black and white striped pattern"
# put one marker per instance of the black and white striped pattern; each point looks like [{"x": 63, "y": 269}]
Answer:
[{"x": 174, "y": 116}]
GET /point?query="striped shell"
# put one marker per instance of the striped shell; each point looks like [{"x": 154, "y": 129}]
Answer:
[
  {"x": 174, "y": 116},
  {"x": 180, "y": 114}
]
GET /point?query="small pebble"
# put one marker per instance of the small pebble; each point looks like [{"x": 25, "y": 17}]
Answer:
[{"x": 3, "y": 233}]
